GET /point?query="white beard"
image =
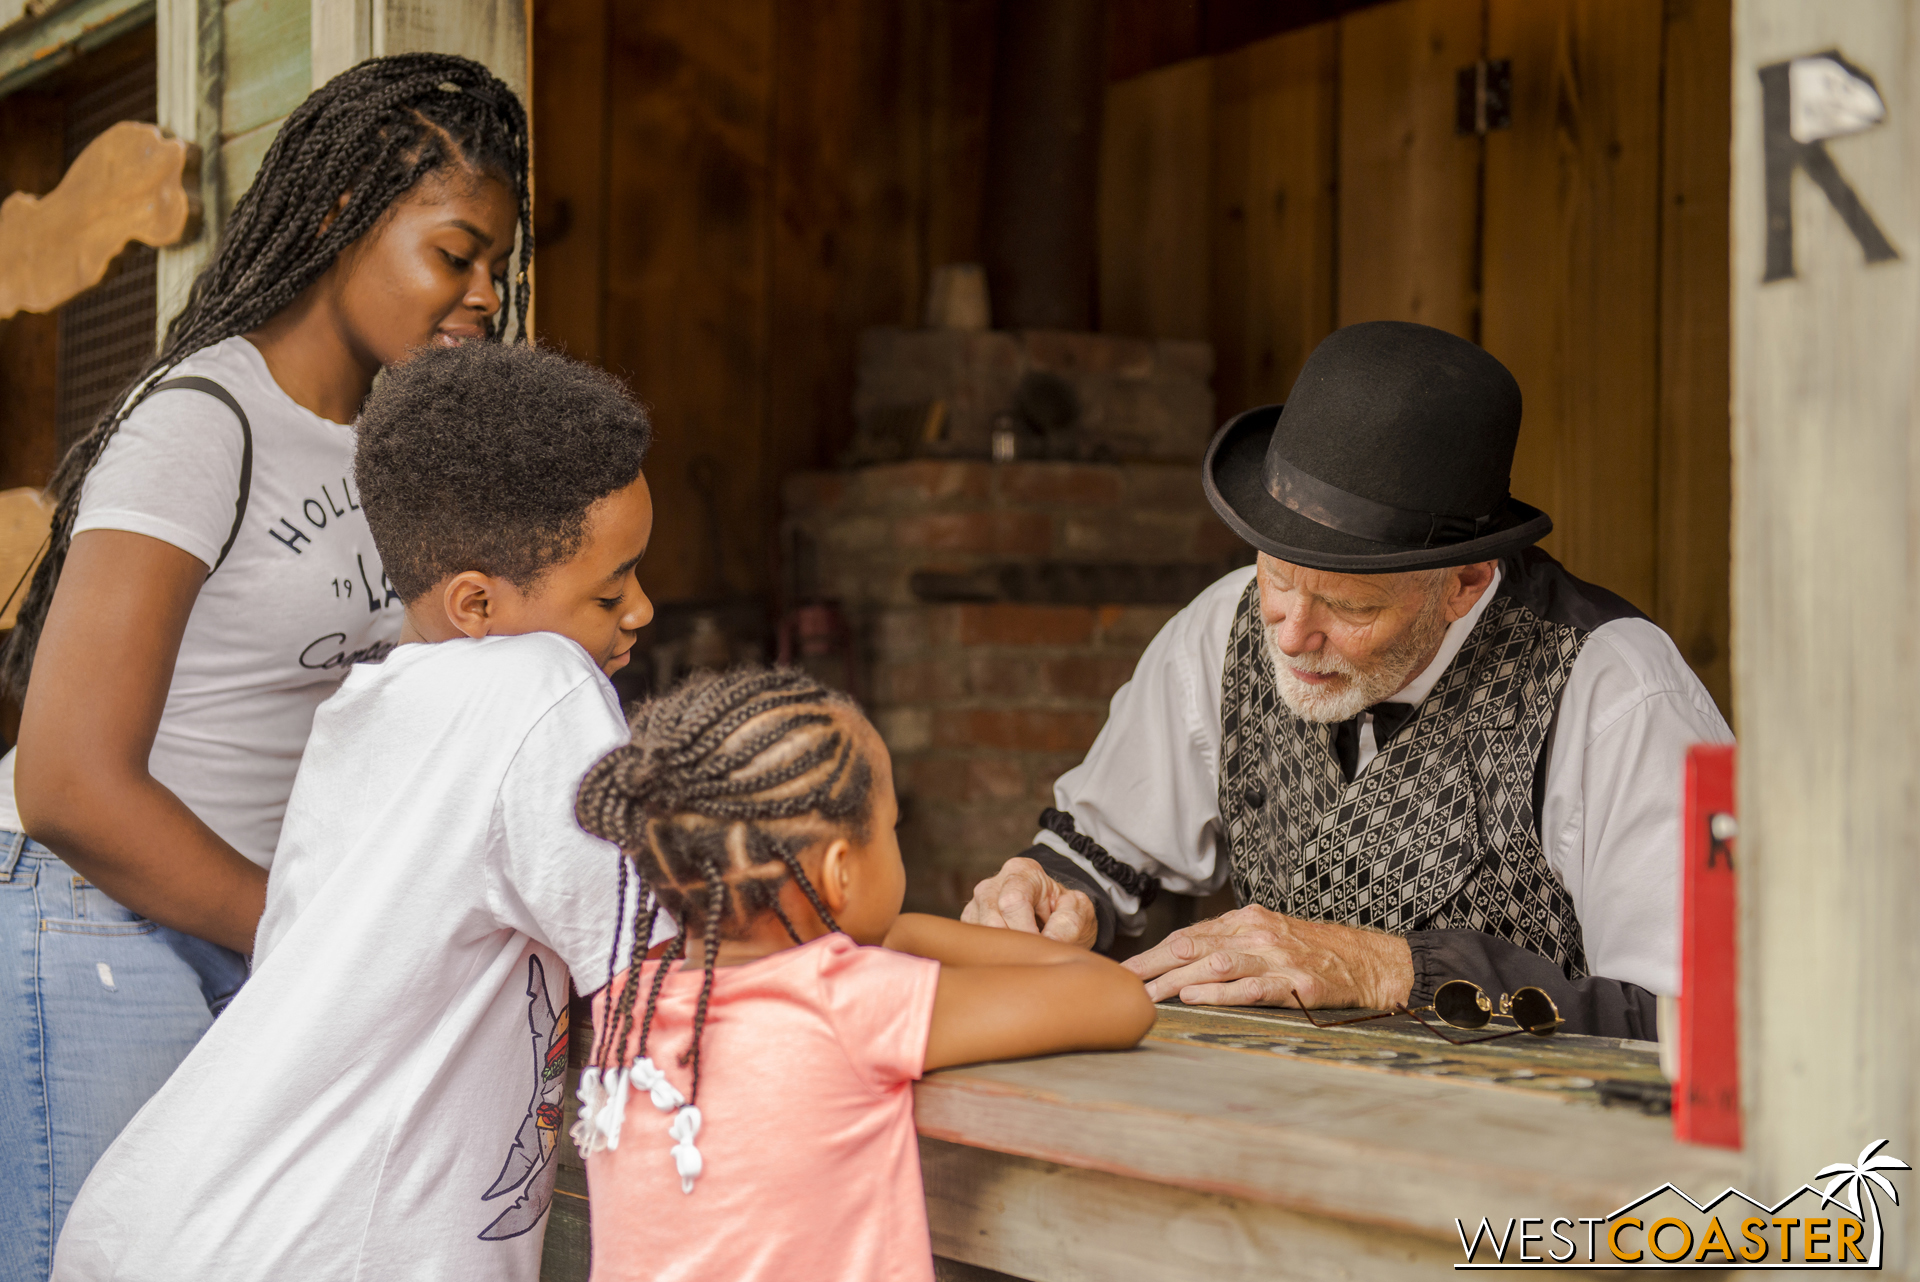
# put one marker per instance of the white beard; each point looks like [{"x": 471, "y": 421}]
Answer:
[{"x": 1358, "y": 688}]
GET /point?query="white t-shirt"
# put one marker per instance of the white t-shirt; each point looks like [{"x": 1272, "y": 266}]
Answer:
[
  {"x": 299, "y": 599},
  {"x": 383, "y": 1098}
]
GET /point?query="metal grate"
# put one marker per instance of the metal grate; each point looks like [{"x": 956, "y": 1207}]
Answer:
[{"x": 106, "y": 334}]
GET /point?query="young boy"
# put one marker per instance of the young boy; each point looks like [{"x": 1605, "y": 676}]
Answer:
[{"x": 383, "y": 1099}]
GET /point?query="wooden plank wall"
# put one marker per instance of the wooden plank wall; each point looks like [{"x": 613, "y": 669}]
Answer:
[
  {"x": 1586, "y": 246},
  {"x": 267, "y": 72},
  {"x": 1273, "y": 207},
  {"x": 1570, "y": 269},
  {"x": 1826, "y": 595},
  {"x": 1694, "y": 465},
  {"x": 1409, "y": 184},
  {"x": 727, "y": 195},
  {"x": 1156, "y": 174},
  {"x": 686, "y": 265}
]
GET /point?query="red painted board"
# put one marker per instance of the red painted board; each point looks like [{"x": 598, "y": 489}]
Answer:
[{"x": 1706, "y": 1099}]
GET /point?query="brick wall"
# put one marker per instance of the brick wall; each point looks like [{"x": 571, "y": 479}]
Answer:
[
  {"x": 984, "y": 704},
  {"x": 983, "y": 707},
  {"x": 869, "y": 530},
  {"x": 1137, "y": 398}
]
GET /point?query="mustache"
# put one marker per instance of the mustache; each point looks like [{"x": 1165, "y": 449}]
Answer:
[{"x": 1324, "y": 662}]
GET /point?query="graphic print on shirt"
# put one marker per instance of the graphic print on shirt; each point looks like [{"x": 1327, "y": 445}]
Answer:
[
  {"x": 529, "y": 1164},
  {"x": 330, "y": 652}
]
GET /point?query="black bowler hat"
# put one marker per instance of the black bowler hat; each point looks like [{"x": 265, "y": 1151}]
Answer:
[{"x": 1392, "y": 453}]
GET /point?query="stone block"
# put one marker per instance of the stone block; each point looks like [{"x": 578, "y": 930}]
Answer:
[
  {"x": 924, "y": 681},
  {"x": 1165, "y": 485},
  {"x": 1186, "y": 357},
  {"x": 1060, "y": 484},
  {"x": 1156, "y": 418},
  {"x": 896, "y": 634},
  {"x": 1048, "y": 766},
  {"x": 931, "y": 777},
  {"x": 1213, "y": 541},
  {"x": 996, "y": 778},
  {"x": 995, "y": 830},
  {"x": 1016, "y": 729},
  {"x": 990, "y": 533},
  {"x": 853, "y": 535},
  {"x": 904, "y": 729},
  {"x": 1069, "y": 353},
  {"x": 1131, "y": 627},
  {"x": 922, "y": 481},
  {"x": 808, "y": 493},
  {"x": 1138, "y": 399},
  {"x": 1024, "y": 624},
  {"x": 998, "y": 675},
  {"x": 906, "y": 632},
  {"x": 1088, "y": 678},
  {"x": 973, "y": 374},
  {"x": 1117, "y": 534}
]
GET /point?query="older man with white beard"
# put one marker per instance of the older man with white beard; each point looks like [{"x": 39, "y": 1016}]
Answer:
[{"x": 1416, "y": 746}]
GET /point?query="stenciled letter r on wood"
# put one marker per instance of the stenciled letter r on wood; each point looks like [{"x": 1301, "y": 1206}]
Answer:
[
  {"x": 1804, "y": 102},
  {"x": 133, "y": 182}
]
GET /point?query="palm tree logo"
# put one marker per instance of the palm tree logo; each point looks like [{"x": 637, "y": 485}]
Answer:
[{"x": 1852, "y": 1178}]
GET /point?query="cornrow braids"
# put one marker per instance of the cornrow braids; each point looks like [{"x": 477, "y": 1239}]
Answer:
[
  {"x": 369, "y": 134},
  {"x": 711, "y": 801}
]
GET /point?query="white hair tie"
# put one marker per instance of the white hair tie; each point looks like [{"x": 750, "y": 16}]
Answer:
[
  {"x": 615, "y": 1108},
  {"x": 586, "y": 1128},
  {"x": 603, "y": 1106},
  {"x": 655, "y": 1083},
  {"x": 686, "y": 1158}
]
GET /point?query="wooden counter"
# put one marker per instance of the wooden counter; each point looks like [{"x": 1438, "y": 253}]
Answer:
[{"x": 1248, "y": 1144}]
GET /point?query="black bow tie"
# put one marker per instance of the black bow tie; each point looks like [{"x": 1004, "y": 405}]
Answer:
[{"x": 1388, "y": 720}]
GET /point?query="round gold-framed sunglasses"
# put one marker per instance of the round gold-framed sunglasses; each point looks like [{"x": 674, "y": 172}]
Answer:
[{"x": 1464, "y": 1004}]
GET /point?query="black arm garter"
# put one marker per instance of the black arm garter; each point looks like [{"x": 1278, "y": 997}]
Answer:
[{"x": 1130, "y": 879}]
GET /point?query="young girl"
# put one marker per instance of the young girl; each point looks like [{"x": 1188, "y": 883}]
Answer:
[
  {"x": 209, "y": 581},
  {"x": 752, "y": 1117}
]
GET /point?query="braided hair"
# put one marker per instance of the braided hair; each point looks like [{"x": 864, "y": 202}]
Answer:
[
  {"x": 727, "y": 780},
  {"x": 370, "y": 134}
]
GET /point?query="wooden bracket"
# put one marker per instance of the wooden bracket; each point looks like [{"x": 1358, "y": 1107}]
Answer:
[{"x": 134, "y": 182}]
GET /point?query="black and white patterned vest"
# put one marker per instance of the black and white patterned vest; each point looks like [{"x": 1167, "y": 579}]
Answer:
[{"x": 1440, "y": 831}]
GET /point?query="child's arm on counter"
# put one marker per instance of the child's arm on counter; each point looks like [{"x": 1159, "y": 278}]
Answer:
[{"x": 1006, "y": 994}]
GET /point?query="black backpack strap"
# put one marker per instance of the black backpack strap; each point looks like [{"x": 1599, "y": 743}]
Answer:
[{"x": 193, "y": 382}]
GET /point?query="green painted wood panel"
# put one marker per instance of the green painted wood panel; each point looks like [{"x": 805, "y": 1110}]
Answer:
[
  {"x": 269, "y": 64},
  {"x": 241, "y": 159}
]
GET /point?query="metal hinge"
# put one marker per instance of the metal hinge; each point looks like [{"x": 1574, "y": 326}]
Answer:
[{"x": 1483, "y": 97}]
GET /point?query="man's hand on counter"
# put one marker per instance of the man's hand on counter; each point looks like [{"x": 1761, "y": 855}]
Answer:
[
  {"x": 1253, "y": 956},
  {"x": 1022, "y": 897}
]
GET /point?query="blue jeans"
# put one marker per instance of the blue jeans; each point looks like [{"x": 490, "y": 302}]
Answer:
[{"x": 97, "y": 1007}]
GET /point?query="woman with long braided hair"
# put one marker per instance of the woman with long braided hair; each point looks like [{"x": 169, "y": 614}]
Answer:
[
  {"x": 209, "y": 581},
  {"x": 757, "y": 808}
]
